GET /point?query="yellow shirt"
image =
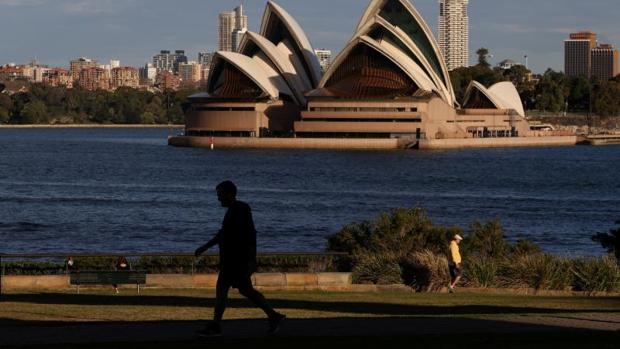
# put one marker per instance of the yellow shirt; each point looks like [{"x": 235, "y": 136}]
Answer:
[{"x": 455, "y": 255}]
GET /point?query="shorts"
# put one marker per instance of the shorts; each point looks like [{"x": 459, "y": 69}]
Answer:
[
  {"x": 455, "y": 271},
  {"x": 239, "y": 281}
]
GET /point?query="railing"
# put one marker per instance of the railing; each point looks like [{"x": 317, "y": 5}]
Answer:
[{"x": 65, "y": 255}]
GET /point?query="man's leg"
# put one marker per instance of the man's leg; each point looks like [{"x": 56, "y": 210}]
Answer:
[
  {"x": 221, "y": 296},
  {"x": 257, "y": 298}
]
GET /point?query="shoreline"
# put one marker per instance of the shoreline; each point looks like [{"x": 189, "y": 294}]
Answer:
[{"x": 31, "y": 126}]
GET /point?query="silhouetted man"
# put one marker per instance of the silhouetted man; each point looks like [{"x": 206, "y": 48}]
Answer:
[{"x": 237, "y": 244}]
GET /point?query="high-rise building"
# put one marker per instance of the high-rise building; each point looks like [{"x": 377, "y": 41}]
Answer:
[
  {"x": 94, "y": 78},
  {"x": 231, "y": 27},
  {"x": 604, "y": 62},
  {"x": 325, "y": 58},
  {"x": 578, "y": 54},
  {"x": 167, "y": 81},
  {"x": 58, "y": 77},
  {"x": 237, "y": 35},
  {"x": 205, "y": 58},
  {"x": 190, "y": 73},
  {"x": 124, "y": 77},
  {"x": 169, "y": 61},
  {"x": 147, "y": 74},
  {"x": 454, "y": 32},
  {"x": 77, "y": 65}
]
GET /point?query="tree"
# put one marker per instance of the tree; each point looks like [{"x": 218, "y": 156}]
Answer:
[
  {"x": 550, "y": 91},
  {"x": 607, "y": 98},
  {"x": 4, "y": 116},
  {"x": 610, "y": 241},
  {"x": 34, "y": 112},
  {"x": 483, "y": 54}
]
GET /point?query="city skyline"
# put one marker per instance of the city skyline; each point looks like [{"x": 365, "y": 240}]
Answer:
[{"x": 505, "y": 28}]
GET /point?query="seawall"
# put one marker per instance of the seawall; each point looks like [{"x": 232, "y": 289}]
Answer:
[
  {"x": 368, "y": 144},
  {"x": 267, "y": 281},
  {"x": 498, "y": 142},
  {"x": 286, "y": 143}
]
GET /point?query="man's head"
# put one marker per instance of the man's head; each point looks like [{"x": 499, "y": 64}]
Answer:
[
  {"x": 226, "y": 193},
  {"x": 458, "y": 238}
]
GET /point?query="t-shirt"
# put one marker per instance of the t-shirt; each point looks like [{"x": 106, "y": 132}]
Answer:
[
  {"x": 455, "y": 255},
  {"x": 237, "y": 239}
]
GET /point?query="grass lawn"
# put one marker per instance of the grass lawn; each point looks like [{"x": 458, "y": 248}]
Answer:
[{"x": 193, "y": 304}]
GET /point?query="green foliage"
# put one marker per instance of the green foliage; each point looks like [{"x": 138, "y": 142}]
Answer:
[
  {"x": 399, "y": 232},
  {"x": 524, "y": 248},
  {"x": 538, "y": 271},
  {"x": 4, "y": 116},
  {"x": 425, "y": 271},
  {"x": 377, "y": 269},
  {"x": 47, "y": 104},
  {"x": 610, "y": 241},
  {"x": 596, "y": 275},
  {"x": 486, "y": 240},
  {"x": 481, "y": 272},
  {"x": 483, "y": 54},
  {"x": 606, "y": 98},
  {"x": 551, "y": 91},
  {"x": 34, "y": 112}
]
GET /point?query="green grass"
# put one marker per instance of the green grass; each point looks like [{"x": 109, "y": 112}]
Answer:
[{"x": 189, "y": 305}]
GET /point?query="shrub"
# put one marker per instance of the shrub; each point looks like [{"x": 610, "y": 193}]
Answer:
[
  {"x": 524, "y": 248},
  {"x": 425, "y": 271},
  {"x": 481, "y": 272},
  {"x": 377, "y": 269},
  {"x": 596, "y": 275},
  {"x": 486, "y": 240},
  {"x": 538, "y": 271},
  {"x": 610, "y": 241}
]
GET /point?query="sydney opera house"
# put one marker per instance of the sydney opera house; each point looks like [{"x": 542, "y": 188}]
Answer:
[{"x": 389, "y": 82}]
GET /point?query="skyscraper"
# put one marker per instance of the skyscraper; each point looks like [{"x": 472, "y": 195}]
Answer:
[
  {"x": 232, "y": 26},
  {"x": 604, "y": 62},
  {"x": 166, "y": 60},
  {"x": 325, "y": 58},
  {"x": 454, "y": 32},
  {"x": 578, "y": 54}
]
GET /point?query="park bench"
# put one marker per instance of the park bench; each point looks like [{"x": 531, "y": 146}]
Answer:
[{"x": 119, "y": 277}]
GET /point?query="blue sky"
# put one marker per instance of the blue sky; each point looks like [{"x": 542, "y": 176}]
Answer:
[{"x": 55, "y": 31}]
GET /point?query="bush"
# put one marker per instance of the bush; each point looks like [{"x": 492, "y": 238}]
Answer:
[
  {"x": 486, "y": 240},
  {"x": 538, "y": 271},
  {"x": 377, "y": 269},
  {"x": 596, "y": 275},
  {"x": 481, "y": 272},
  {"x": 425, "y": 271}
]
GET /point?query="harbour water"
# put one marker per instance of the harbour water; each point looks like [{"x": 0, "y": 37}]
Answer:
[{"x": 125, "y": 190}]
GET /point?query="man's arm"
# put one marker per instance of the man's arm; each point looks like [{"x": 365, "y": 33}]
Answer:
[{"x": 202, "y": 249}]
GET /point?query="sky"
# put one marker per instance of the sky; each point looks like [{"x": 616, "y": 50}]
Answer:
[{"x": 56, "y": 31}]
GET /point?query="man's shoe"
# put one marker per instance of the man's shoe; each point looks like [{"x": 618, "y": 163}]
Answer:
[
  {"x": 213, "y": 329},
  {"x": 275, "y": 323}
]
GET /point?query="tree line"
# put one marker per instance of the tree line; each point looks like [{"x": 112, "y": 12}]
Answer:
[
  {"x": 553, "y": 91},
  {"x": 44, "y": 104}
]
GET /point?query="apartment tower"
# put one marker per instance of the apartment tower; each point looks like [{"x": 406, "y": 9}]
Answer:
[
  {"x": 604, "y": 62},
  {"x": 232, "y": 25},
  {"x": 578, "y": 54},
  {"x": 454, "y": 32}
]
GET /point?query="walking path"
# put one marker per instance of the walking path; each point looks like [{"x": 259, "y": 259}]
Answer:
[{"x": 20, "y": 334}]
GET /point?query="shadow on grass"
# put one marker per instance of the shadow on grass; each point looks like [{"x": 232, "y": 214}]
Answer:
[
  {"x": 384, "y": 332},
  {"x": 376, "y": 308}
]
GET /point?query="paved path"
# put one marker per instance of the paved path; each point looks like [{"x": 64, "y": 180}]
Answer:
[{"x": 25, "y": 334}]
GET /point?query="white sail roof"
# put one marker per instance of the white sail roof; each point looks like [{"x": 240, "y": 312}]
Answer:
[
  {"x": 303, "y": 48},
  {"x": 269, "y": 81},
  {"x": 502, "y": 95}
]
